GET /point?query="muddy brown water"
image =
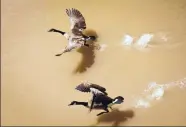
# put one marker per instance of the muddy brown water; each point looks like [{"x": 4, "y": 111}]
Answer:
[{"x": 37, "y": 86}]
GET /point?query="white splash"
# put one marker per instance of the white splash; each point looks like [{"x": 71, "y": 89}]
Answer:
[
  {"x": 147, "y": 41},
  {"x": 102, "y": 47},
  {"x": 164, "y": 38},
  {"x": 156, "y": 91},
  {"x": 144, "y": 40},
  {"x": 153, "y": 92},
  {"x": 141, "y": 103},
  {"x": 127, "y": 40}
]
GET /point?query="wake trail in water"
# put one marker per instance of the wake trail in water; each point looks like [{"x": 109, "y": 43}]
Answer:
[
  {"x": 155, "y": 92},
  {"x": 146, "y": 41}
]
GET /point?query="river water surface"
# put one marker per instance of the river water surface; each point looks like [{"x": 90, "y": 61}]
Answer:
[{"x": 37, "y": 86}]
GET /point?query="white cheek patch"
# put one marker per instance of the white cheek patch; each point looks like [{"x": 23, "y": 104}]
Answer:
[{"x": 115, "y": 101}]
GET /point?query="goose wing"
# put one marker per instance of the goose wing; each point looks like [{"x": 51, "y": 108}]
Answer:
[
  {"x": 89, "y": 87},
  {"x": 98, "y": 87},
  {"x": 83, "y": 87},
  {"x": 77, "y": 21}
]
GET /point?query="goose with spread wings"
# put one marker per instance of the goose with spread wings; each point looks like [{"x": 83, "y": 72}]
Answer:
[
  {"x": 75, "y": 37},
  {"x": 100, "y": 99}
]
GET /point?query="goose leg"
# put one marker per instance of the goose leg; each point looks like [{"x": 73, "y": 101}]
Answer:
[
  {"x": 87, "y": 45},
  {"x": 106, "y": 111},
  {"x": 111, "y": 108},
  {"x": 93, "y": 38},
  {"x": 57, "y": 31}
]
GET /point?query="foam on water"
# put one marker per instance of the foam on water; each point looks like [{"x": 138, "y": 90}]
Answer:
[
  {"x": 142, "y": 103},
  {"x": 102, "y": 47},
  {"x": 127, "y": 40},
  {"x": 155, "y": 92},
  {"x": 144, "y": 40},
  {"x": 141, "y": 42}
]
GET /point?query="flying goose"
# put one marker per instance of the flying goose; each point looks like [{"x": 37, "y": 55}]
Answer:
[
  {"x": 100, "y": 99},
  {"x": 75, "y": 37}
]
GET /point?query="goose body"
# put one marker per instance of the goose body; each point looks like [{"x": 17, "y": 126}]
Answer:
[
  {"x": 100, "y": 98},
  {"x": 75, "y": 37}
]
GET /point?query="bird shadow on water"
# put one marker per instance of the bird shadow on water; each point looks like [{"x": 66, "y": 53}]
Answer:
[
  {"x": 88, "y": 54},
  {"x": 115, "y": 117}
]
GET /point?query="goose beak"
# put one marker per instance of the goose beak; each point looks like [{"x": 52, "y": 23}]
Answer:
[
  {"x": 51, "y": 30},
  {"x": 72, "y": 103}
]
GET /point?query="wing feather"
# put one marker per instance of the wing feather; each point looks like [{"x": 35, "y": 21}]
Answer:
[
  {"x": 77, "y": 20},
  {"x": 98, "y": 87},
  {"x": 83, "y": 88},
  {"x": 89, "y": 87}
]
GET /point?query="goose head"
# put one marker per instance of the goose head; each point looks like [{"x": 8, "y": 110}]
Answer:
[
  {"x": 73, "y": 103},
  {"x": 118, "y": 100}
]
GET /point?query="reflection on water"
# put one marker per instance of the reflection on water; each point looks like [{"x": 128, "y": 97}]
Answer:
[
  {"x": 88, "y": 54},
  {"x": 116, "y": 117},
  {"x": 87, "y": 60}
]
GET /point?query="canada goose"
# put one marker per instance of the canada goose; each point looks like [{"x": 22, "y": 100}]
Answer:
[
  {"x": 100, "y": 100},
  {"x": 75, "y": 38}
]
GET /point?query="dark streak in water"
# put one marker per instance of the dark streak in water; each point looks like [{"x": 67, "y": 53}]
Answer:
[{"x": 88, "y": 54}]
